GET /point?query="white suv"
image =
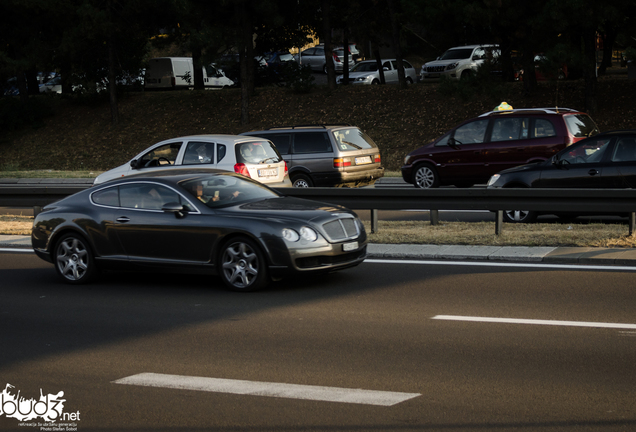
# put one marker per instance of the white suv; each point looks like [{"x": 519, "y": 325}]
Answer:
[
  {"x": 459, "y": 62},
  {"x": 256, "y": 158}
]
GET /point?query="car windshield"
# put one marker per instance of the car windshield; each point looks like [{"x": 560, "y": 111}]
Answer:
[
  {"x": 457, "y": 54},
  {"x": 581, "y": 125},
  {"x": 222, "y": 190},
  {"x": 353, "y": 139},
  {"x": 257, "y": 152},
  {"x": 365, "y": 67}
]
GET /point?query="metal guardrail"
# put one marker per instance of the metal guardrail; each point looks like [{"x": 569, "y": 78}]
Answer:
[{"x": 39, "y": 192}]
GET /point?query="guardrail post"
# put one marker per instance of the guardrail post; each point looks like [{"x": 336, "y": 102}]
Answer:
[
  {"x": 499, "y": 222},
  {"x": 434, "y": 217},
  {"x": 632, "y": 223},
  {"x": 374, "y": 221}
]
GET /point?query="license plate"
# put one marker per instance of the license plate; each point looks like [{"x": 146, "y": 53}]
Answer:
[
  {"x": 347, "y": 247},
  {"x": 434, "y": 75},
  {"x": 272, "y": 172},
  {"x": 363, "y": 160}
]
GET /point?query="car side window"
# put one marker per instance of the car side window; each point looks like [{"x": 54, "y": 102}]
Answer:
[
  {"x": 386, "y": 64},
  {"x": 479, "y": 54},
  {"x": 146, "y": 196},
  {"x": 590, "y": 151},
  {"x": 312, "y": 142},
  {"x": 198, "y": 152},
  {"x": 443, "y": 141},
  {"x": 160, "y": 156},
  {"x": 221, "y": 150},
  {"x": 471, "y": 133},
  {"x": 625, "y": 150},
  {"x": 281, "y": 141},
  {"x": 509, "y": 128},
  {"x": 543, "y": 128},
  {"x": 107, "y": 197}
]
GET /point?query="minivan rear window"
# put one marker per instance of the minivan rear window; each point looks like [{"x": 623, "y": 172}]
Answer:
[
  {"x": 353, "y": 139},
  {"x": 581, "y": 125}
]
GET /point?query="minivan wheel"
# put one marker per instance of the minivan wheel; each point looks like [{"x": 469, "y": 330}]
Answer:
[
  {"x": 73, "y": 259},
  {"x": 302, "y": 181},
  {"x": 426, "y": 177},
  {"x": 242, "y": 265},
  {"x": 519, "y": 216}
]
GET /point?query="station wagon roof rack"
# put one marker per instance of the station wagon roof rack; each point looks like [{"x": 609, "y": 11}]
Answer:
[
  {"x": 324, "y": 126},
  {"x": 554, "y": 110}
]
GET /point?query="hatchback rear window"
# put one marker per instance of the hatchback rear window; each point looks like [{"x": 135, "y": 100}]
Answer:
[
  {"x": 257, "y": 152},
  {"x": 353, "y": 139},
  {"x": 580, "y": 125}
]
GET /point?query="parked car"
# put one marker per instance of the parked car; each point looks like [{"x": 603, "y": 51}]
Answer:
[
  {"x": 366, "y": 72},
  {"x": 201, "y": 222},
  {"x": 255, "y": 158},
  {"x": 315, "y": 58},
  {"x": 178, "y": 72},
  {"x": 480, "y": 147},
  {"x": 324, "y": 155},
  {"x": 277, "y": 59},
  {"x": 606, "y": 160},
  {"x": 353, "y": 51},
  {"x": 52, "y": 86},
  {"x": 459, "y": 62}
]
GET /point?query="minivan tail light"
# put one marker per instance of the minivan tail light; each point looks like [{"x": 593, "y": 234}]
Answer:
[
  {"x": 240, "y": 168},
  {"x": 341, "y": 162},
  {"x": 376, "y": 158}
]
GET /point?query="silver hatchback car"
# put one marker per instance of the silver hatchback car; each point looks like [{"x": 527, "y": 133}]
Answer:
[
  {"x": 315, "y": 58},
  {"x": 252, "y": 157}
]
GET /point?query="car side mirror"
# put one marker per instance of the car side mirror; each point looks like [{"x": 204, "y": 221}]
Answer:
[
  {"x": 134, "y": 163},
  {"x": 176, "y": 208},
  {"x": 453, "y": 143}
]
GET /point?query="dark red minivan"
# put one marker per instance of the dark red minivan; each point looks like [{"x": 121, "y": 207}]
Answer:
[{"x": 478, "y": 148}]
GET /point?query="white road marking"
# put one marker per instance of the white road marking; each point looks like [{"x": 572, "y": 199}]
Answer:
[
  {"x": 534, "y": 322},
  {"x": 501, "y": 264},
  {"x": 257, "y": 388},
  {"x": 16, "y": 250}
]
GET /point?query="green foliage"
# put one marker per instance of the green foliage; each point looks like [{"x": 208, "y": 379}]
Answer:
[
  {"x": 299, "y": 78},
  {"x": 15, "y": 114}
]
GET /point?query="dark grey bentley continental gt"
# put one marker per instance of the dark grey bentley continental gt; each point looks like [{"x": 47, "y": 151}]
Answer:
[{"x": 193, "y": 222}]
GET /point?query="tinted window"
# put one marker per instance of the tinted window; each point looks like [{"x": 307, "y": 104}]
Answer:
[
  {"x": 312, "y": 142},
  {"x": 457, "y": 54},
  {"x": 352, "y": 139},
  {"x": 222, "y": 190},
  {"x": 221, "y": 150},
  {"x": 107, "y": 197},
  {"x": 543, "y": 128},
  {"x": 580, "y": 125},
  {"x": 161, "y": 156},
  {"x": 257, "y": 152},
  {"x": 625, "y": 150},
  {"x": 471, "y": 133},
  {"x": 588, "y": 151},
  {"x": 365, "y": 67},
  {"x": 198, "y": 153},
  {"x": 281, "y": 141},
  {"x": 443, "y": 141},
  {"x": 148, "y": 196},
  {"x": 510, "y": 128}
]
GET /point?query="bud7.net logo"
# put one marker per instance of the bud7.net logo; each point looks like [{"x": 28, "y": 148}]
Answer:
[{"x": 49, "y": 407}]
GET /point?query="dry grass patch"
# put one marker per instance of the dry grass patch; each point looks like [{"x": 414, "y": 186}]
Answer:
[
  {"x": 483, "y": 233},
  {"x": 15, "y": 225}
]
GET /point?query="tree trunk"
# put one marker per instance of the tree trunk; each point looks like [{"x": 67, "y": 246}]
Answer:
[
  {"x": 245, "y": 56},
  {"x": 378, "y": 61},
  {"x": 198, "y": 68},
  {"x": 589, "y": 71},
  {"x": 326, "y": 29},
  {"x": 395, "y": 41},
  {"x": 112, "y": 83},
  {"x": 345, "y": 66}
]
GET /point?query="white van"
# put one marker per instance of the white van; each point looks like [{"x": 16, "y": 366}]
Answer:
[{"x": 178, "y": 72}]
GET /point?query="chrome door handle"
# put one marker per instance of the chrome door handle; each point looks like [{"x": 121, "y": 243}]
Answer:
[
  {"x": 123, "y": 219},
  {"x": 592, "y": 172}
]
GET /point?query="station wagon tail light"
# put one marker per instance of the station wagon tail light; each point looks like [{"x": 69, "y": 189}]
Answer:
[
  {"x": 376, "y": 159},
  {"x": 240, "y": 168},
  {"x": 341, "y": 162}
]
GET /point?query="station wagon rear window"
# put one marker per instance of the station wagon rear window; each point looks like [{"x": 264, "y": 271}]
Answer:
[{"x": 353, "y": 139}]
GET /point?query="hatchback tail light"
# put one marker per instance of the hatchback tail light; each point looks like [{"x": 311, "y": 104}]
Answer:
[
  {"x": 286, "y": 169},
  {"x": 336, "y": 59},
  {"x": 341, "y": 162},
  {"x": 376, "y": 159},
  {"x": 240, "y": 168}
]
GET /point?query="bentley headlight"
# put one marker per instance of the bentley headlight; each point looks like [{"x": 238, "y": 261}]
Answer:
[
  {"x": 493, "y": 179},
  {"x": 308, "y": 234},
  {"x": 290, "y": 235}
]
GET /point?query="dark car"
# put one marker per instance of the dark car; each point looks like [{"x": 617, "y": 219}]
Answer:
[
  {"x": 478, "y": 148},
  {"x": 607, "y": 160},
  {"x": 195, "y": 222}
]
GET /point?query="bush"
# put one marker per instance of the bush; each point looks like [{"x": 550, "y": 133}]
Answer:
[{"x": 485, "y": 83}]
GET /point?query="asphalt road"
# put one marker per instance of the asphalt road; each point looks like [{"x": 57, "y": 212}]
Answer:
[{"x": 387, "y": 327}]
